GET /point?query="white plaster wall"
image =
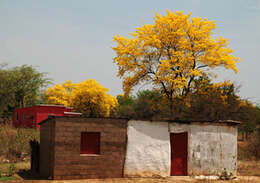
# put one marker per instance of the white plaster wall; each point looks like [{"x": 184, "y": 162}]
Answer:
[
  {"x": 211, "y": 149},
  {"x": 179, "y": 128},
  {"x": 148, "y": 149}
]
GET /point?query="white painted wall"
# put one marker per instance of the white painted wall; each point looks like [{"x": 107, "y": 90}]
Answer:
[
  {"x": 148, "y": 149},
  {"x": 211, "y": 148}
]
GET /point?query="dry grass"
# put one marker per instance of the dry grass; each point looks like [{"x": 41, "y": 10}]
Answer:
[
  {"x": 5, "y": 168},
  {"x": 14, "y": 142},
  {"x": 248, "y": 168},
  {"x": 248, "y": 149}
]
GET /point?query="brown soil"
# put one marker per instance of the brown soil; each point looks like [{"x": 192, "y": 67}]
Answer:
[{"x": 244, "y": 179}]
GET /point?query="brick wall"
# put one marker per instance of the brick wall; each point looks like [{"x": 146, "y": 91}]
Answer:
[
  {"x": 69, "y": 164},
  {"x": 47, "y": 148}
]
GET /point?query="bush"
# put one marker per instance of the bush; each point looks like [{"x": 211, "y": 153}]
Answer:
[
  {"x": 147, "y": 104},
  {"x": 254, "y": 144},
  {"x": 14, "y": 142},
  {"x": 249, "y": 149},
  {"x": 125, "y": 108}
]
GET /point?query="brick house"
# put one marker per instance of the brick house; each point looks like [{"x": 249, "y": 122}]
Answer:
[{"x": 77, "y": 147}]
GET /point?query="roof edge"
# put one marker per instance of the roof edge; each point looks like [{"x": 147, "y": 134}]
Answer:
[
  {"x": 49, "y": 117},
  {"x": 228, "y": 121}
]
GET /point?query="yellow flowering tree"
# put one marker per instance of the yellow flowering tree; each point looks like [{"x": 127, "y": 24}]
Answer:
[
  {"x": 90, "y": 98},
  {"x": 60, "y": 94},
  {"x": 87, "y": 97},
  {"x": 171, "y": 53}
]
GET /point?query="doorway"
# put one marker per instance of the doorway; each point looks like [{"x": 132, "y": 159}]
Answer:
[{"x": 179, "y": 153}]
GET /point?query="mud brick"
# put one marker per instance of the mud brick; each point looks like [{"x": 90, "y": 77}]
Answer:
[{"x": 60, "y": 148}]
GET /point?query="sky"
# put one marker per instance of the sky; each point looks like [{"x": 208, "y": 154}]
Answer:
[{"x": 72, "y": 40}]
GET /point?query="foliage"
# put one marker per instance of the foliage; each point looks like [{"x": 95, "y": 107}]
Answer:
[
  {"x": 250, "y": 115},
  {"x": 14, "y": 142},
  {"x": 90, "y": 98},
  {"x": 125, "y": 107},
  {"x": 248, "y": 148},
  {"x": 171, "y": 53},
  {"x": 28, "y": 84},
  {"x": 149, "y": 104},
  {"x": 60, "y": 94},
  {"x": 11, "y": 170},
  {"x": 146, "y": 104},
  {"x": 122, "y": 100},
  {"x": 7, "y": 97},
  {"x": 20, "y": 87},
  {"x": 6, "y": 178},
  {"x": 208, "y": 102},
  {"x": 211, "y": 101},
  {"x": 8, "y": 170},
  {"x": 87, "y": 97},
  {"x": 254, "y": 144}
]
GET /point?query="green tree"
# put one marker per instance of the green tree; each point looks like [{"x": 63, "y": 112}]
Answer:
[
  {"x": 7, "y": 98},
  {"x": 28, "y": 85},
  {"x": 249, "y": 115},
  {"x": 149, "y": 104},
  {"x": 20, "y": 87},
  {"x": 125, "y": 107}
]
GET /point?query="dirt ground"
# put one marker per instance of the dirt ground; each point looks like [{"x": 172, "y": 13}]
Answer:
[
  {"x": 243, "y": 179},
  {"x": 248, "y": 172},
  {"x": 248, "y": 168}
]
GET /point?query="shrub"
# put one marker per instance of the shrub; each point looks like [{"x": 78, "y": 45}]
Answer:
[
  {"x": 249, "y": 148},
  {"x": 254, "y": 144},
  {"x": 14, "y": 142}
]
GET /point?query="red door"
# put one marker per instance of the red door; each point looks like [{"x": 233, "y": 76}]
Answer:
[{"x": 179, "y": 144}]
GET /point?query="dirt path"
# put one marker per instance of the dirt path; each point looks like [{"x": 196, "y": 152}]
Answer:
[{"x": 242, "y": 179}]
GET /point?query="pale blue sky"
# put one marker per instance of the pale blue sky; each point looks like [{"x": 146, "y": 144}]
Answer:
[{"x": 71, "y": 40}]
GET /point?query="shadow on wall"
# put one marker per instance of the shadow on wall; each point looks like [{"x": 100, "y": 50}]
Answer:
[{"x": 154, "y": 130}]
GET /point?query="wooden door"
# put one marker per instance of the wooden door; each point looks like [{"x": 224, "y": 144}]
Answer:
[{"x": 179, "y": 153}]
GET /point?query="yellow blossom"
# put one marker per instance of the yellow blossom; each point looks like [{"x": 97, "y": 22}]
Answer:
[
  {"x": 88, "y": 97},
  {"x": 172, "y": 52}
]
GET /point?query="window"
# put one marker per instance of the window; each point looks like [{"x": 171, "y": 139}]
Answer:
[
  {"x": 24, "y": 116},
  {"x": 90, "y": 143}
]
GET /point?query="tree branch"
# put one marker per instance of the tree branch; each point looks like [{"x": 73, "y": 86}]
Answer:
[{"x": 202, "y": 66}]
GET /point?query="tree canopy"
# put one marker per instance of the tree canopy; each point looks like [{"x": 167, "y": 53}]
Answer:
[
  {"x": 87, "y": 97},
  {"x": 20, "y": 87},
  {"x": 60, "y": 94},
  {"x": 171, "y": 54}
]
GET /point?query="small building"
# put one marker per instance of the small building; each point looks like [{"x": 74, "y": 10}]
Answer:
[
  {"x": 31, "y": 116},
  {"x": 77, "y": 147}
]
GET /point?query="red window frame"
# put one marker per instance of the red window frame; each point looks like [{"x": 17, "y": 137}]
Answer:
[{"x": 90, "y": 143}]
